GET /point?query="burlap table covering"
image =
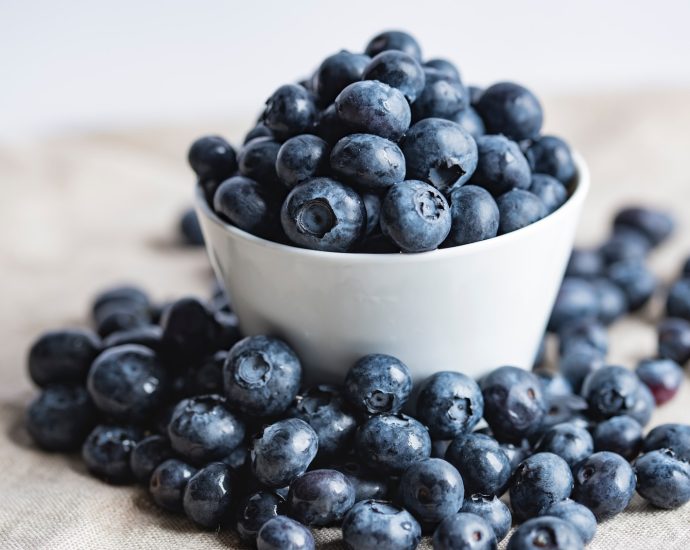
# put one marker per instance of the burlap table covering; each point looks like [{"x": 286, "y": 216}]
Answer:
[{"x": 87, "y": 209}]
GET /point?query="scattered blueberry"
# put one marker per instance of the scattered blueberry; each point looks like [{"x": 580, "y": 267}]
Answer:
[
  {"x": 584, "y": 333},
  {"x": 610, "y": 391},
  {"x": 168, "y": 482},
  {"x": 621, "y": 435},
  {"x": 62, "y": 356},
  {"x": 511, "y": 110},
  {"x": 518, "y": 208},
  {"x": 320, "y": 497},
  {"x": 578, "y": 515},
  {"x": 378, "y": 383},
  {"x": 211, "y": 157},
  {"x": 150, "y": 336},
  {"x": 656, "y": 226},
  {"x": 674, "y": 340},
  {"x": 635, "y": 280},
  {"x": 106, "y": 452},
  {"x": 367, "y": 484},
  {"x": 585, "y": 263},
  {"x": 613, "y": 303},
  {"x": 624, "y": 246},
  {"x": 663, "y": 479},
  {"x": 546, "y": 532},
  {"x": 283, "y": 533},
  {"x": 502, "y": 166},
  {"x": 190, "y": 230},
  {"x": 678, "y": 301},
  {"x": 255, "y": 510},
  {"x": 569, "y": 441},
  {"x": 670, "y": 436},
  {"x": 380, "y": 525},
  {"x": 208, "y": 495},
  {"x": 148, "y": 454},
  {"x": 578, "y": 363},
  {"x": 399, "y": 70},
  {"x": 290, "y": 111},
  {"x": 189, "y": 329},
  {"x": 464, "y": 531},
  {"x": 663, "y": 377},
  {"x": 301, "y": 158},
  {"x": 492, "y": 510},
  {"x": 483, "y": 465},
  {"x": 576, "y": 300}
]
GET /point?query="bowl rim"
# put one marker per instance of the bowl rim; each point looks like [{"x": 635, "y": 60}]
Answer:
[{"x": 579, "y": 193}]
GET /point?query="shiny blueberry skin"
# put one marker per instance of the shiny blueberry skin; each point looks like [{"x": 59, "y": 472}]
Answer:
[
  {"x": 621, "y": 435},
  {"x": 576, "y": 300},
  {"x": 569, "y": 441},
  {"x": 484, "y": 467},
  {"x": 501, "y": 166},
  {"x": 576, "y": 514},
  {"x": 283, "y": 451},
  {"x": 551, "y": 191},
  {"x": 372, "y": 204},
  {"x": 379, "y": 525},
  {"x": 255, "y": 510},
  {"x": 443, "y": 65},
  {"x": 474, "y": 216},
  {"x": 656, "y": 226},
  {"x": 670, "y": 436},
  {"x": 261, "y": 376},
  {"x": 578, "y": 363},
  {"x": 464, "y": 531},
  {"x": 605, "y": 483},
  {"x": 378, "y": 383},
  {"x": 610, "y": 391},
  {"x": 61, "y": 417},
  {"x": 492, "y": 510},
  {"x": 398, "y": 70},
  {"x": 106, "y": 452},
  {"x": 283, "y": 533},
  {"x": 337, "y": 72},
  {"x": 189, "y": 329},
  {"x": 678, "y": 301},
  {"x": 431, "y": 489},
  {"x": 624, "y": 245},
  {"x": 323, "y": 214},
  {"x": 291, "y": 110},
  {"x": 62, "y": 356},
  {"x": 367, "y": 484},
  {"x": 470, "y": 120},
  {"x": 663, "y": 377},
  {"x": 394, "y": 40},
  {"x": 584, "y": 333},
  {"x": 514, "y": 405},
  {"x": 551, "y": 155},
  {"x": 148, "y": 454},
  {"x": 375, "y": 108},
  {"x": 663, "y": 479},
  {"x": 168, "y": 482},
  {"x": 257, "y": 160},
  {"x": 208, "y": 495},
  {"x": 540, "y": 481},
  {"x": 674, "y": 340},
  {"x": 440, "y": 152},
  {"x": 368, "y": 162},
  {"x": 211, "y": 157},
  {"x": 442, "y": 97},
  {"x": 325, "y": 410},
  {"x": 635, "y": 280},
  {"x": 301, "y": 158},
  {"x": 320, "y": 497},
  {"x": 246, "y": 204},
  {"x": 613, "y": 303},
  {"x": 389, "y": 443},
  {"x": 518, "y": 208},
  {"x": 511, "y": 110},
  {"x": 546, "y": 532},
  {"x": 586, "y": 263},
  {"x": 416, "y": 216},
  {"x": 202, "y": 429},
  {"x": 449, "y": 404},
  {"x": 128, "y": 383}
]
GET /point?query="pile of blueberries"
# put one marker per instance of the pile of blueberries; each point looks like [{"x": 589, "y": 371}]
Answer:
[{"x": 382, "y": 152}]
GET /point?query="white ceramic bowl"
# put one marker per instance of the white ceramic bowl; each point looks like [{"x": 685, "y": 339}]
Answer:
[{"x": 470, "y": 308}]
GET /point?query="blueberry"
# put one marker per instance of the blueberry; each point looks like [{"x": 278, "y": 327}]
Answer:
[
  {"x": 584, "y": 333},
  {"x": 329, "y": 127},
  {"x": 670, "y": 436},
  {"x": 257, "y": 160},
  {"x": 610, "y": 391},
  {"x": 444, "y": 66},
  {"x": 60, "y": 418},
  {"x": 514, "y": 405},
  {"x": 373, "y": 107},
  {"x": 605, "y": 483},
  {"x": 678, "y": 301},
  {"x": 483, "y": 465},
  {"x": 551, "y": 155},
  {"x": 464, "y": 531},
  {"x": 578, "y": 363},
  {"x": 613, "y": 303},
  {"x": 449, "y": 404},
  {"x": 576, "y": 514},
  {"x": 378, "y": 383},
  {"x": 320, "y": 497},
  {"x": 119, "y": 316},
  {"x": 283, "y": 533},
  {"x": 301, "y": 158},
  {"x": 372, "y": 204},
  {"x": 431, "y": 489},
  {"x": 492, "y": 510},
  {"x": 246, "y": 204},
  {"x": 283, "y": 451},
  {"x": 147, "y": 455},
  {"x": 261, "y": 376},
  {"x": 635, "y": 280},
  {"x": 290, "y": 111},
  {"x": 540, "y": 481},
  {"x": 643, "y": 405},
  {"x": 518, "y": 208},
  {"x": 238, "y": 459},
  {"x": 208, "y": 376},
  {"x": 569, "y": 441},
  {"x": 189, "y": 329},
  {"x": 260, "y": 130},
  {"x": 190, "y": 230},
  {"x": 470, "y": 120},
  {"x": 324, "y": 409},
  {"x": 211, "y": 157},
  {"x": 551, "y": 191},
  {"x": 62, "y": 356},
  {"x": 576, "y": 300},
  {"x": 106, "y": 452},
  {"x": 150, "y": 336},
  {"x": 585, "y": 263},
  {"x": 516, "y": 453},
  {"x": 367, "y": 484},
  {"x": 389, "y": 443},
  {"x": 474, "y": 215},
  {"x": 415, "y": 216},
  {"x": 398, "y": 70},
  {"x": 442, "y": 97},
  {"x": 255, "y": 510},
  {"x": 553, "y": 384},
  {"x": 394, "y": 40},
  {"x": 621, "y": 435},
  {"x": 202, "y": 429},
  {"x": 546, "y": 532},
  {"x": 338, "y": 71},
  {"x": 323, "y": 214},
  {"x": 663, "y": 479},
  {"x": 168, "y": 482},
  {"x": 511, "y": 110},
  {"x": 380, "y": 525},
  {"x": 440, "y": 152},
  {"x": 663, "y": 377},
  {"x": 128, "y": 383},
  {"x": 656, "y": 226},
  {"x": 208, "y": 495},
  {"x": 501, "y": 166},
  {"x": 562, "y": 408},
  {"x": 126, "y": 295},
  {"x": 674, "y": 340}
]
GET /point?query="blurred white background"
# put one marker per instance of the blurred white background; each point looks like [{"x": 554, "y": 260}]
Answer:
[{"x": 76, "y": 64}]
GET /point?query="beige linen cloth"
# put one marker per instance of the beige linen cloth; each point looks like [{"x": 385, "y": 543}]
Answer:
[{"x": 88, "y": 209}]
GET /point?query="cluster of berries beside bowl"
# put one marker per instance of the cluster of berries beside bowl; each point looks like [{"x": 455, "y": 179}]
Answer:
[{"x": 382, "y": 152}]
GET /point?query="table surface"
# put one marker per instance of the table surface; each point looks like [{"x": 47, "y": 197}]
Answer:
[{"x": 86, "y": 210}]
